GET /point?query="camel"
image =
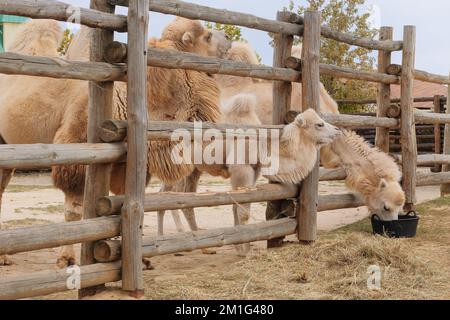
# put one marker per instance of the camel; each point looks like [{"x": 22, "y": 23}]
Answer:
[
  {"x": 331, "y": 157},
  {"x": 386, "y": 191},
  {"x": 372, "y": 173},
  {"x": 41, "y": 110},
  {"x": 297, "y": 156}
]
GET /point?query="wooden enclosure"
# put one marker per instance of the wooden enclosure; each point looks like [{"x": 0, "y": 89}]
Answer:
[{"x": 107, "y": 217}]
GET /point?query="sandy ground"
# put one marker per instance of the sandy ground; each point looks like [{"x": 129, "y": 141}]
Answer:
[{"x": 31, "y": 200}]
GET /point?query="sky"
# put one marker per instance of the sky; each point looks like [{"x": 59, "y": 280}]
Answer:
[{"x": 431, "y": 17}]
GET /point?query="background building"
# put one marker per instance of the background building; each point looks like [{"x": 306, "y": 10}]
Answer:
[{"x": 8, "y": 28}]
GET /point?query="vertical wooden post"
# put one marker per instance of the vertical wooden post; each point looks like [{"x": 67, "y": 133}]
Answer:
[
  {"x": 100, "y": 109},
  {"x": 437, "y": 132},
  {"x": 445, "y": 189},
  {"x": 281, "y": 104},
  {"x": 307, "y": 209},
  {"x": 133, "y": 211},
  {"x": 408, "y": 127},
  {"x": 384, "y": 91}
]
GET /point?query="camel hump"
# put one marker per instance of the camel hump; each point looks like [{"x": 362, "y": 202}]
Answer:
[
  {"x": 242, "y": 52},
  {"x": 241, "y": 104},
  {"x": 37, "y": 37}
]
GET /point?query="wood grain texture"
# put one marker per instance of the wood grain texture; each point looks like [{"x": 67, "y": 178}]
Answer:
[
  {"x": 46, "y": 155},
  {"x": 437, "y": 132},
  {"x": 54, "y": 235},
  {"x": 199, "y": 12},
  {"x": 99, "y": 109},
  {"x": 384, "y": 91},
  {"x": 13, "y": 63},
  {"x": 408, "y": 127},
  {"x": 173, "y": 200},
  {"x": 308, "y": 201},
  {"x": 445, "y": 189},
  {"x": 56, "y": 10},
  {"x": 136, "y": 172},
  {"x": 46, "y": 282}
]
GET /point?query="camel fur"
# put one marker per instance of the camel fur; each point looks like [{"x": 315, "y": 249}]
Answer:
[
  {"x": 42, "y": 110},
  {"x": 330, "y": 157},
  {"x": 297, "y": 155},
  {"x": 372, "y": 173}
]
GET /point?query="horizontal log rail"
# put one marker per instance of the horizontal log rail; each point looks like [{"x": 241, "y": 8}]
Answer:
[
  {"x": 352, "y": 121},
  {"x": 56, "y": 10},
  {"x": 345, "y": 72},
  {"x": 13, "y": 63},
  {"x": 349, "y": 73},
  {"x": 395, "y": 100},
  {"x": 116, "y": 130},
  {"x": 58, "y": 234},
  {"x": 432, "y": 118},
  {"x": 199, "y": 12},
  {"x": 156, "y": 246},
  {"x": 433, "y": 159},
  {"x": 395, "y": 69},
  {"x": 182, "y": 60},
  {"x": 432, "y": 179},
  {"x": 23, "y": 156},
  {"x": 162, "y": 245},
  {"x": 175, "y": 200},
  {"x": 42, "y": 283}
]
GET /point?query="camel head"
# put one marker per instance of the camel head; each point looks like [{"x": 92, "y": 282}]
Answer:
[
  {"x": 387, "y": 200},
  {"x": 192, "y": 36},
  {"x": 313, "y": 127}
]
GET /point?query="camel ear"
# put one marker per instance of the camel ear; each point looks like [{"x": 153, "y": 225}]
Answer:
[
  {"x": 383, "y": 184},
  {"x": 300, "y": 121},
  {"x": 188, "y": 39}
]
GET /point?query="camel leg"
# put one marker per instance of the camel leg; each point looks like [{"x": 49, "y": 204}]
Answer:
[
  {"x": 190, "y": 184},
  {"x": 73, "y": 206},
  {"x": 70, "y": 179},
  {"x": 177, "y": 219},
  {"x": 5, "y": 178},
  {"x": 175, "y": 215},
  {"x": 242, "y": 176}
]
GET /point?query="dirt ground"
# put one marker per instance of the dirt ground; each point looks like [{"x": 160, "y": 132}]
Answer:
[{"x": 31, "y": 200}]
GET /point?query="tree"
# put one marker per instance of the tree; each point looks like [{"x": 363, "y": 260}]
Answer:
[
  {"x": 233, "y": 33},
  {"x": 65, "y": 42},
  {"x": 344, "y": 16}
]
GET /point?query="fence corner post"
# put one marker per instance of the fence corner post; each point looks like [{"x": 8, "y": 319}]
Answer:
[
  {"x": 408, "y": 126},
  {"x": 384, "y": 91},
  {"x": 445, "y": 189},
  {"x": 282, "y": 92},
  {"x": 308, "y": 199}
]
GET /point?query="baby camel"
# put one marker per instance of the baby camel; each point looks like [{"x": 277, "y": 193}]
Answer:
[{"x": 296, "y": 155}]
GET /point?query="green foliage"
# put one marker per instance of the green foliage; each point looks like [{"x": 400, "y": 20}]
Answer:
[
  {"x": 234, "y": 33},
  {"x": 65, "y": 42},
  {"x": 344, "y": 16}
]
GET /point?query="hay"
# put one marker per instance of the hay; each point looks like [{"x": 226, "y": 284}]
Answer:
[{"x": 335, "y": 267}]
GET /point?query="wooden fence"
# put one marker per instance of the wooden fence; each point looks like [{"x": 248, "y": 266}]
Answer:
[{"x": 106, "y": 217}]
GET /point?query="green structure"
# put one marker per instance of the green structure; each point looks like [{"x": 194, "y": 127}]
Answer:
[{"x": 8, "y": 27}]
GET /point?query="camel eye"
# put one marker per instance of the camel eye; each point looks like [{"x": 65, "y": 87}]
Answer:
[
  {"x": 209, "y": 37},
  {"x": 320, "y": 125},
  {"x": 386, "y": 209}
]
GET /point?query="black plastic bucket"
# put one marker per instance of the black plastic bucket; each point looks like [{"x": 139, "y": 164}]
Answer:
[{"x": 405, "y": 227}]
